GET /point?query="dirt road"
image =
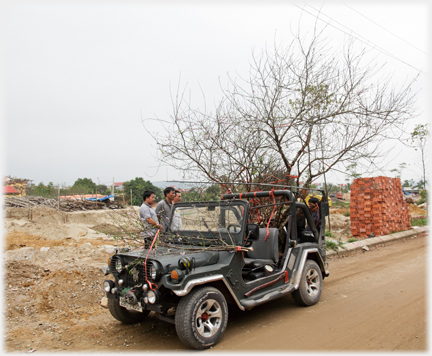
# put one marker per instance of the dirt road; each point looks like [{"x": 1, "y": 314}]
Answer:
[{"x": 371, "y": 301}]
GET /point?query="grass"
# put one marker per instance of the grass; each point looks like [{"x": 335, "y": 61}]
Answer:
[
  {"x": 419, "y": 222},
  {"x": 329, "y": 233},
  {"x": 341, "y": 204},
  {"x": 351, "y": 239},
  {"x": 347, "y": 214},
  {"x": 331, "y": 245},
  {"x": 334, "y": 245}
]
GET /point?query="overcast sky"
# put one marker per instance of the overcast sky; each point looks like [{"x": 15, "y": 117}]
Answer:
[{"x": 78, "y": 76}]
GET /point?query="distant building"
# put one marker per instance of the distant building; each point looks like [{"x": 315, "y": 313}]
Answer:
[
  {"x": 20, "y": 185},
  {"x": 10, "y": 191},
  {"x": 119, "y": 186},
  {"x": 411, "y": 190}
]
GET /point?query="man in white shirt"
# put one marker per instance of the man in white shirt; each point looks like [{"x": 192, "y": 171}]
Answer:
[
  {"x": 148, "y": 216},
  {"x": 176, "y": 221}
]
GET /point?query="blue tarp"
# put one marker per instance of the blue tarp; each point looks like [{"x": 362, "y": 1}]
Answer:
[
  {"x": 406, "y": 193},
  {"x": 101, "y": 199}
]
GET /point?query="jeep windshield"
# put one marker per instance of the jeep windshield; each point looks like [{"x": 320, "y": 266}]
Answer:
[{"x": 209, "y": 223}]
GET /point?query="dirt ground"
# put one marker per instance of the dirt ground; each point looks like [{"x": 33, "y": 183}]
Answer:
[{"x": 53, "y": 282}]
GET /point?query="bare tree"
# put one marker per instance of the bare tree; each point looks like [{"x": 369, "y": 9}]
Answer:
[{"x": 303, "y": 111}]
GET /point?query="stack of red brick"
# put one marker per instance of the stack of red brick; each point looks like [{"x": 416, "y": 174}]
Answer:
[{"x": 377, "y": 207}]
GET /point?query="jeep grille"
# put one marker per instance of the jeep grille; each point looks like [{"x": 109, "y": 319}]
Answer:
[{"x": 140, "y": 278}]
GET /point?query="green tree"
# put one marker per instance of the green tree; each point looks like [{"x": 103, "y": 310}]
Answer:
[
  {"x": 408, "y": 183},
  {"x": 213, "y": 192},
  {"x": 138, "y": 187},
  {"x": 101, "y": 188},
  {"x": 41, "y": 190},
  {"x": 193, "y": 195},
  {"x": 419, "y": 141},
  {"x": 83, "y": 186}
]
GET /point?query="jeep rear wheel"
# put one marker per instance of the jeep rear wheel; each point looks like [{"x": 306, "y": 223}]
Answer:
[
  {"x": 124, "y": 315},
  {"x": 201, "y": 317},
  {"x": 310, "y": 288}
]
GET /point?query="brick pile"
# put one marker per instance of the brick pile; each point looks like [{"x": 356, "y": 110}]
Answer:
[{"x": 377, "y": 207}]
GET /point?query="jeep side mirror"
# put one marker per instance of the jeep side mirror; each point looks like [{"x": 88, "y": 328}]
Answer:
[{"x": 252, "y": 232}]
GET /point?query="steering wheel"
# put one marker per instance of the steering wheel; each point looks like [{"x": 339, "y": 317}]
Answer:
[{"x": 234, "y": 226}]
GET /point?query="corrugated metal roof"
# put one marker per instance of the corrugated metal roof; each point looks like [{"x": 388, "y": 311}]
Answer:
[{"x": 7, "y": 189}]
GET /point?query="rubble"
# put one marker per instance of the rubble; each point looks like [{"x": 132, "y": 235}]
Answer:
[
  {"x": 66, "y": 205},
  {"x": 53, "y": 282}
]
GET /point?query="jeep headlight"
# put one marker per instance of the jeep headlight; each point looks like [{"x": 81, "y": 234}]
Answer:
[
  {"x": 154, "y": 271},
  {"x": 153, "y": 296},
  {"x": 108, "y": 285},
  {"x": 118, "y": 265}
]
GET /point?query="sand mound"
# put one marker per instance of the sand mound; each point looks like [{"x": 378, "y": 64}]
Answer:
[
  {"x": 339, "y": 221},
  {"x": 51, "y": 224},
  {"x": 415, "y": 210}
]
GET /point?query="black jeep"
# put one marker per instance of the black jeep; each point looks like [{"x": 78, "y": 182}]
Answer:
[{"x": 218, "y": 256}]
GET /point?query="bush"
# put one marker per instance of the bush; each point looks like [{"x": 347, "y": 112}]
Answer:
[
  {"x": 352, "y": 239},
  {"x": 419, "y": 222},
  {"x": 347, "y": 214},
  {"x": 423, "y": 195}
]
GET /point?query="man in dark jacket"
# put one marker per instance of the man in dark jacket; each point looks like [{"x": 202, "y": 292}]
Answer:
[{"x": 164, "y": 207}]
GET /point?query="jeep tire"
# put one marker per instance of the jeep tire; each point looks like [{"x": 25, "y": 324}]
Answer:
[
  {"x": 310, "y": 287},
  {"x": 201, "y": 317},
  {"x": 124, "y": 315}
]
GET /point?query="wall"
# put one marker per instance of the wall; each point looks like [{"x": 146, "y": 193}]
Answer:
[{"x": 377, "y": 207}]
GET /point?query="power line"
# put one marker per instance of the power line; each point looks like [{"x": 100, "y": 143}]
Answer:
[
  {"x": 382, "y": 50},
  {"x": 368, "y": 42},
  {"x": 387, "y": 30}
]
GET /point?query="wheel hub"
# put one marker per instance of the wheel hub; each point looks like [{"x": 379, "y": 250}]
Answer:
[
  {"x": 312, "y": 282},
  {"x": 208, "y": 318}
]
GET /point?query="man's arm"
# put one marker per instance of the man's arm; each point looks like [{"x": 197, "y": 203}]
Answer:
[
  {"x": 154, "y": 223},
  {"x": 158, "y": 209}
]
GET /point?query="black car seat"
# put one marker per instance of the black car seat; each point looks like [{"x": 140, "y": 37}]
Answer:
[{"x": 264, "y": 251}]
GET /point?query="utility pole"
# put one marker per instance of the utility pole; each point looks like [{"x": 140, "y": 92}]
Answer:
[{"x": 326, "y": 193}]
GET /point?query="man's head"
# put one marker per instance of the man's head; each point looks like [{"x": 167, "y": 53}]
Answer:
[
  {"x": 313, "y": 202},
  {"x": 177, "y": 198},
  {"x": 149, "y": 197},
  {"x": 169, "y": 193}
]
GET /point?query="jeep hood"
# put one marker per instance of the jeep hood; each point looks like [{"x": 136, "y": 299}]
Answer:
[{"x": 197, "y": 259}]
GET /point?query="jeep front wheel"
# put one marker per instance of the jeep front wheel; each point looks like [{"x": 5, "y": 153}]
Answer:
[
  {"x": 201, "y": 317},
  {"x": 124, "y": 315},
  {"x": 310, "y": 288}
]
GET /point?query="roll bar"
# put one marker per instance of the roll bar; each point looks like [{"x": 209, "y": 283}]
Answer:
[{"x": 276, "y": 193}]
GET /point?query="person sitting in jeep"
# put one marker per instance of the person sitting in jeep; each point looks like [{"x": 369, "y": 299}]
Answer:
[
  {"x": 313, "y": 206},
  {"x": 301, "y": 220}
]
